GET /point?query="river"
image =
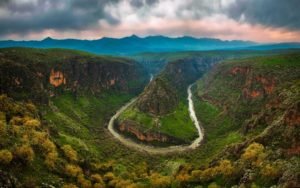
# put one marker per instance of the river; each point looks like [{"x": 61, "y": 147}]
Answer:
[{"x": 153, "y": 149}]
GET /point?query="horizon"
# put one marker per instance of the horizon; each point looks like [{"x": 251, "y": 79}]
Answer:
[
  {"x": 135, "y": 35},
  {"x": 221, "y": 19}
]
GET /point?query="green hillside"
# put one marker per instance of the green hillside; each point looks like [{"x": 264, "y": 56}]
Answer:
[{"x": 248, "y": 107}]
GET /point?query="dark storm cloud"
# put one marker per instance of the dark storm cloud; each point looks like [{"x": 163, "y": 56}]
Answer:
[
  {"x": 141, "y": 3},
  {"x": 137, "y": 3},
  {"x": 24, "y": 16},
  {"x": 274, "y": 13}
]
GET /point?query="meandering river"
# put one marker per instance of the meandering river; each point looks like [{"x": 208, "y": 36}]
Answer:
[{"x": 153, "y": 149}]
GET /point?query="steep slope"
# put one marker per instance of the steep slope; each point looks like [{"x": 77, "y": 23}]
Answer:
[
  {"x": 255, "y": 102},
  {"x": 38, "y": 74},
  {"x": 162, "y": 107},
  {"x": 251, "y": 140}
]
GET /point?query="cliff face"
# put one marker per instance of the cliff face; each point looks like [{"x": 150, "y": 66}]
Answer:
[
  {"x": 159, "y": 98},
  {"x": 42, "y": 73},
  {"x": 163, "y": 94},
  {"x": 261, "y": 95},
  {"x": 134, "y": 130}
]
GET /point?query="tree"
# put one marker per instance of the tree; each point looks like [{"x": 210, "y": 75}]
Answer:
[
  {"x": 70, "y": 153},
  {"x": 5, "y": 156}
]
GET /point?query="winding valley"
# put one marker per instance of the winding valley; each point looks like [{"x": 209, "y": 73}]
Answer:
[{"x": 152, "y": 149}]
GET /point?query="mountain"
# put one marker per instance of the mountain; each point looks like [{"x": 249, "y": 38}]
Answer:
[{"x": 132, "y": 44}]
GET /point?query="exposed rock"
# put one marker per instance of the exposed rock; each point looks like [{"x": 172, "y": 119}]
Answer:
[
  {"x": 292, "y": 117},
  {"x": 158, "y": 98},
  {"x": 40, "y": 75},
  {"x": 146, "y": 136},
  {"x": 56, "y": 78}
]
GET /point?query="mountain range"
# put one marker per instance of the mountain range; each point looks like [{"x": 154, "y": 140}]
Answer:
[{"x": 134, "y": 44}]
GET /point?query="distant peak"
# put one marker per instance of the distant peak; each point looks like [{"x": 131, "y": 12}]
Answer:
[
  {"x": 134, "y": 36},
  {"x": 48, "y": 38}
]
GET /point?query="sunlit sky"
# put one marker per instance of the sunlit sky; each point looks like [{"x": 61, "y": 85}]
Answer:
[{"x": 255, "y": 20}]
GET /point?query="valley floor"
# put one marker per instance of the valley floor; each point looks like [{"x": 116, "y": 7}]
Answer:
[{"x": 153, "y": 149}]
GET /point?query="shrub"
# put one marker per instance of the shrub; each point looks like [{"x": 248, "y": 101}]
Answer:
[
  {"x": 48, "y": 146},
  {"x": 31, "y": 108},
  {"x": 269, "y": 171},
  {"x": 32, "y": 123},
  {"x": 97, "y": 178},
  {"x": 160, "y": 181},
  {"x": 254, "y": 153},
  {"x": 37, "y": 137},
  {"x": 73, "y": 170},
  {"x": 208, "y": 174},
  {"x": 69, "y": 185},
  {"x": 213, "y": 185},
  {"x": 84, "y": 182},
  {"x": 2, "y": 128},
  {"x": 25, "y": 153},
  {"x": 70, "y": 153},
  {"x": 108, "y": 176},
  {"x": 50, "y": 159},
  {"x": 16, "y": 121},
  {"x": 225, "y": 167},
  {"x": 5, "y": 156},
  {"x": 196, "y": 174}
]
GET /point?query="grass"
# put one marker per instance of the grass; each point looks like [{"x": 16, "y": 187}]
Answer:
[
  {"x": 79, "y": 120},
  {"x": 219, "y": 131},
  {"x": 177, "y": 124}
]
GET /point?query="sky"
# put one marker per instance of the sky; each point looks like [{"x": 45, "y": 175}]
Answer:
[{"x": 255, "y": 20}]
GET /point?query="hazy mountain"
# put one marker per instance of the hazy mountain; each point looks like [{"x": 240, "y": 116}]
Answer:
[{"x": 132, "y": 44}]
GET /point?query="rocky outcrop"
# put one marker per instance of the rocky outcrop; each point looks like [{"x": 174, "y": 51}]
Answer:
[
  {"x": 56, "y": 78},
  {"x": 134, "y": 130},
  {"x": 159, "y": 98},
  {"x": 163, "y": 93},
  {"x": 263, "y": 100},
  {"x": 44, "y": 73}
]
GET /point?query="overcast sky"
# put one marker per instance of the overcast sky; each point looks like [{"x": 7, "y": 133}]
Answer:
[{"x": 256, "y": 20}]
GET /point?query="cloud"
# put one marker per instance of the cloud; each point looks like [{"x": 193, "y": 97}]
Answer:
[
  {"x": 273, "y": 13},
  {"x": 24, "y": 19},
  {"x": 22, "y": 16}
]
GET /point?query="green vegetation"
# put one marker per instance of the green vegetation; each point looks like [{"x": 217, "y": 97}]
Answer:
[
  {"x": 79, "y": 120},
  {"x": 251, "y": 138},
  {"x": 177, "y": 124}
]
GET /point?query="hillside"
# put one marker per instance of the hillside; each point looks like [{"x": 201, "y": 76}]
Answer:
[
  {"x": 255, "y": 102},
  {"x": 247, "y": 102},
  {"x": 161, "y": 109},
  {"x": 38, "y": 74}
]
